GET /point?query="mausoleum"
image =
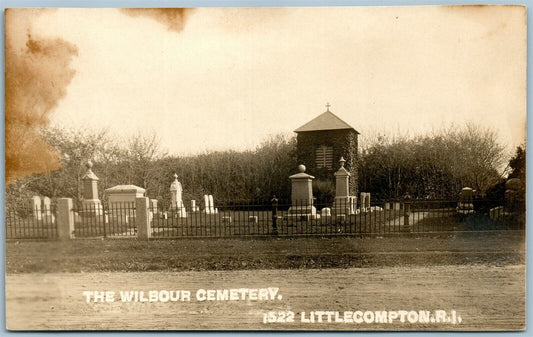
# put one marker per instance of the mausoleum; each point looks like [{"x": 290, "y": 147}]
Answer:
[
  {"x": 322, "y": 142},
  {"x": 123, "y": 196}
]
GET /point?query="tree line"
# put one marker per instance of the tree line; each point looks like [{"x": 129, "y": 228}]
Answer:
[{"x": 433, "y": 166}]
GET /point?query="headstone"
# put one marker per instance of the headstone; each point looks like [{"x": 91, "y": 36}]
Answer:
[
  {"x": 496, "y": 212},
  {"x": 226, "y": 219},
  {"x": 212, "y": 205},
  {"x": 396, "y": 206},
  {"x": 176, "y": 202},
  {"x": 91, "y": 203},
  {"x": 344, "y": 203},
  {"x": 209, "y": 204},
  {"x": 325, "y": 216},
  {"x": 253, "y": 219},
  {"x": 77, "y": 217},
  {"x": 386, "y": 206},
  {"x": 465, "y": 204},
  {"x": 206, "y": 203},
  {"x": 194, "y": 208},
  {"x": 376, "y": 209},
  {"x": 302, "y": 195},
  {"x": 513, "y": 196},
  {"x": 47, "y": 204},
  {"x": 364, "y": 196},
  {"x": 153, "y": 206},
  {"x": 35, "y": 204},
  {"x": 46, "y": 211},
  {"x": 367, "y": 201}
]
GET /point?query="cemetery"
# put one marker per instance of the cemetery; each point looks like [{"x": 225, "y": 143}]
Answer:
[{"x": 327, "y": 153}]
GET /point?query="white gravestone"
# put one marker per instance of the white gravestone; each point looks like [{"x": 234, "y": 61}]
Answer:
[
  {"x": 212, "y": 205},
  {"x": 194, "y": 208},
  {"x": 35, "y": 204},
  {"x": 47, "y": 215},
  {"x": 176, "y": 201}
]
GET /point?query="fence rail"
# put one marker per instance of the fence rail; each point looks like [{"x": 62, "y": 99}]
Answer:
[
  {"x": 26, "y": 222},
  {"x": 278, "y": 217}
]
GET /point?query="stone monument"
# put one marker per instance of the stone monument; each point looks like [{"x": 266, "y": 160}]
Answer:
[
  {"x": 514, "y": 196},
  {"x": 344, "y": 203},
  {"x": 176, "y": 202},
  {"x": 122, "y": 201},
  {"x": 302, "y": 196},
  {"x": 466, "y": 201},
  {"x": 91, "y": 204}
]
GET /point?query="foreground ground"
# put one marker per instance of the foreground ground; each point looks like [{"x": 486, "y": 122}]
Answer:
[{"x": 480, "y": 276}]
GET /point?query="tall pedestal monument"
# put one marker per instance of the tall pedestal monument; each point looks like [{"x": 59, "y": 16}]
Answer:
[
  {"x": 344, "y": 203},
  {"x": 302, "y": 195},
  {"x": 92, "y": 206}
]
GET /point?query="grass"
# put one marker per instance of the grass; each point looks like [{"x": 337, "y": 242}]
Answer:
[
  {"x": 472, "y": 222},
  {"x": 228, "y": 254}
]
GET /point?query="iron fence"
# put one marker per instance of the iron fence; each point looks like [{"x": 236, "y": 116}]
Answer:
[
  {"x": 25, "y": 222},
  {"x": 116, "y": 220},
  {"x": 303, "y": 217},
  {"x": 274, "y": 217}
]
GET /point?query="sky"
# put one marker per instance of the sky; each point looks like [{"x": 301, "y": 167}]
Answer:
[{"x": 226, "y": 78}]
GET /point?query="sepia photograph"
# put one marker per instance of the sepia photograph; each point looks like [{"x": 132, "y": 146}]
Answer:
[{"x": 351, "y": 168}]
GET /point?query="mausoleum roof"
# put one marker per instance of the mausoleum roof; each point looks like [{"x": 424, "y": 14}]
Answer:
[
  {"x": 125, "y": 189},
  {"x": 325, "y": 121}
]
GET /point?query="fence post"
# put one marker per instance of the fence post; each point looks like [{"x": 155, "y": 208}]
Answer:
[
  {"x": 406, "y": 213},
  {"x": 65, "y": 219},
  {"x": 142, "y": 218},
  {"x": 274, "y": 215}
]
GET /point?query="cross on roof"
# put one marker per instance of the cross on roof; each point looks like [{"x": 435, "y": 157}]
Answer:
[{"x": 328, "y": 105}]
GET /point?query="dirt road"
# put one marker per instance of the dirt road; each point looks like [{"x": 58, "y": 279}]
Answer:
[{"x": 486, "y": 297}]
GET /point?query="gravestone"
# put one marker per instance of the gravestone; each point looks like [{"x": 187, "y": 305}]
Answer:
[
  {"x": 176, "y": 202},
  {"x": 513, "y": 196},
  {"x": 206, "y": 203},
  {"x": 47, "y": 204},
  {"x": 302, "y": 196},
  {"x": 209, "y": 204},
  {"x": 153, "y": 206},
  {"x": 466, "y": 199},
  {"x": 194, "y": 208},
  {"x": 35, "y": 204},
  {"x": 364, "y": 203},
  {"x": 343, "y": 203},
  {"x": 212, "y": 205},
  {"x": 47, "y": 215}
]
